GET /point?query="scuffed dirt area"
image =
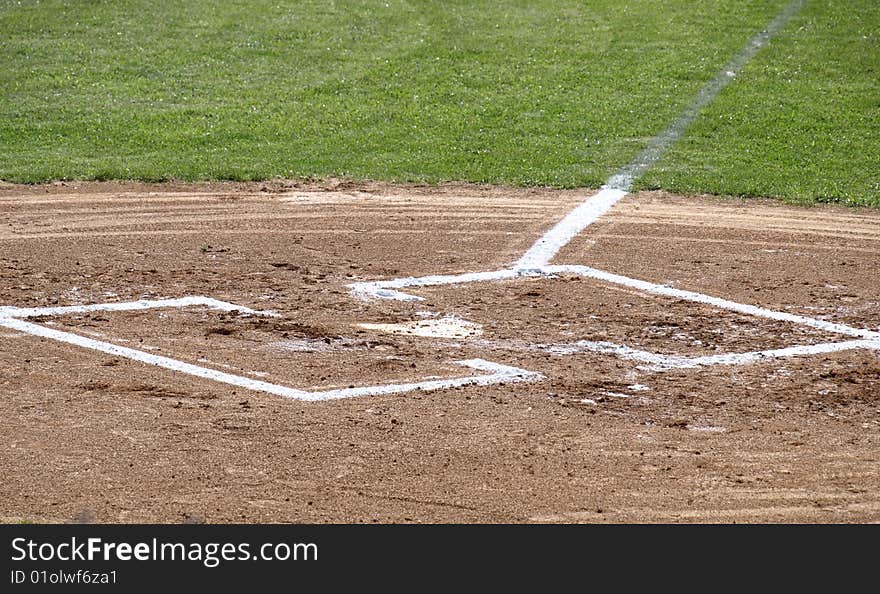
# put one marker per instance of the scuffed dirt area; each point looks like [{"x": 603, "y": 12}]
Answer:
[{"x": 90, "y": 436}]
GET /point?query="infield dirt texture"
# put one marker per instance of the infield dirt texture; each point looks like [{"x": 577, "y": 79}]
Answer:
[
  {"x": 347, "y": 350},
  {"x": 600, "y": 438}
]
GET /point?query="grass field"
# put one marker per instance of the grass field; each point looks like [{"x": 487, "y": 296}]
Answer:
[
  {"x": 802, "y": 122},
  {"x": 526, "y": 93}
]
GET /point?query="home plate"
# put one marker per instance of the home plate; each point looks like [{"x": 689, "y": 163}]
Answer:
[{"x": 447, "y": 327}]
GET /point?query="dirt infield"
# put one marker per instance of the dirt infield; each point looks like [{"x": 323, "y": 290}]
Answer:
[{"x": 601, "y": 437}]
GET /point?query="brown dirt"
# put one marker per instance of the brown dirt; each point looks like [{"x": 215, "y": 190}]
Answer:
[{"x": 90, "y": 435}]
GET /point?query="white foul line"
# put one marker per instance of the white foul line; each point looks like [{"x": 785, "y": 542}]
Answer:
[
  {"x": 620, "y": 184},
  {"x": 593, "y": 207}
]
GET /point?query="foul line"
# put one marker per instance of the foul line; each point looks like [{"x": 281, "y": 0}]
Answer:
[
  {"x": 589, "y": 211},
  {"x": 636, "y": 168},
  {"x": 620, "y": 184}
]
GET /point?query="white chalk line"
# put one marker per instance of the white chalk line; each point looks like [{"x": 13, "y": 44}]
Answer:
[
  {"x": 640, "y": 285},
  {"x": 500, "y": 374},
  {"x": 660, "y": 362},
  {"x": 588, "y": 212},
  {"x": 149, "y": 358},
  {"x": 794, "y": 351},
  {"x": 870, "y": 338},
  {"x": 385, "y": 289},
  {"x": 620, "y": 184},
  {"x": 190, "y": 301},
  {"x": 659, "y": 144},
  {"x": 752, "y": 310},
  {"x": 11, "y": 318}
]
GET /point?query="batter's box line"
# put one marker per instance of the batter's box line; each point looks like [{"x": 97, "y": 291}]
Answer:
[
  {"x": 868, "y": 339},
  {"x": 15, "y": 319},
  {"x": 656, "y": 362}
]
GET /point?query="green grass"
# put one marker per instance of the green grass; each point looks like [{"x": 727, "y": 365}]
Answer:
[
  {"x": 531, "y": 92},
  {"x": 521, "y": 92},
  {"x": 802, "y": 122}
]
